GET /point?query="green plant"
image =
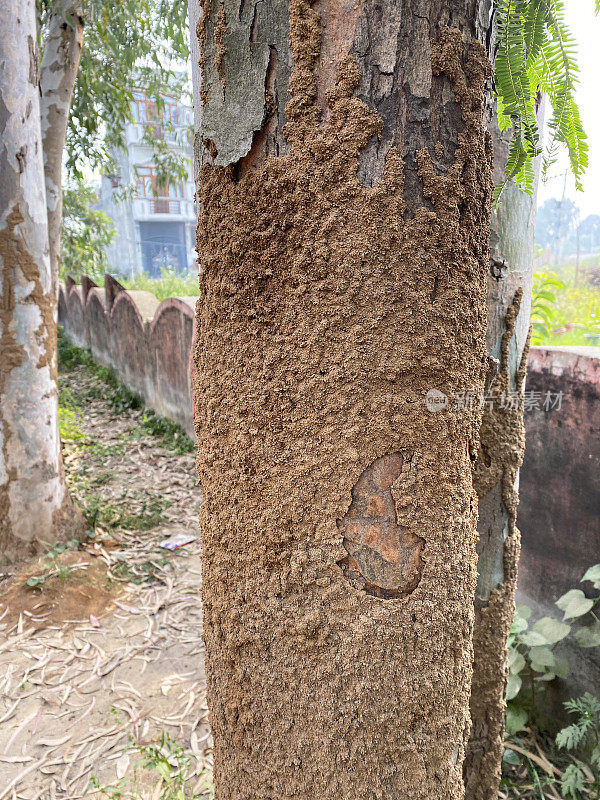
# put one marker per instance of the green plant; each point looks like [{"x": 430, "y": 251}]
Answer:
[
  {"x": 167, "y": 761},
  {"x": 532, "y": 661},
  {"x": 119, "y": 514},
  {"x": 170, "y": 167},
  {"x": 534, "y": 764},
  {"x": 86, "y": 233},
  {"x": 129, "y": 45},
  {"x": 543, "y": 303},
  {"x": 69, "y": 425},
  {"x": 582, "y": 738},
  {"x": 173, "y": 436},
  {"x": 110, "y": 388},
  {"x": 54, "y": 568},
  {"x": 170, "y": 284},
  {"x": 536, "y": 53}
]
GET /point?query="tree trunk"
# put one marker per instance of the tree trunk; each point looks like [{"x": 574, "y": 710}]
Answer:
[
  {"x": 343, "y": 237},
  {"x": 496, "y": 470},
  {"x": 34, "y": 502},
  {"x": 58, "y": 71}
]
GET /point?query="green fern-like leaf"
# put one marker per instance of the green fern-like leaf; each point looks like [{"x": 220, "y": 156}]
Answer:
[
  {"x": 573, "y": 781},
  {"x": 543, "y": 301},
  {"x": 570, "y": 737},
  {"x": 536, "y": 53}
]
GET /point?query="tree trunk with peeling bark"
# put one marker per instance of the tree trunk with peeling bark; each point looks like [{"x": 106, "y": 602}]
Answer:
[
  {"x": 58, "y": 72},
  {"x": 34, "y": 502},
  {"x": 496, "y": 469},
  {"x": 343, "y": 235}
]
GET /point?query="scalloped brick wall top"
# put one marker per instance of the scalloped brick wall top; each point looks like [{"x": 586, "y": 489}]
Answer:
[{"x": 148, "y": 343}]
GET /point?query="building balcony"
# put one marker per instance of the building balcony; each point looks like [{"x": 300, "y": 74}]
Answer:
[{"x": 163, "y": 208}]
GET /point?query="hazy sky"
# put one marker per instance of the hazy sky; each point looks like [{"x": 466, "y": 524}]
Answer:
[{"x": 585, "y": 26}]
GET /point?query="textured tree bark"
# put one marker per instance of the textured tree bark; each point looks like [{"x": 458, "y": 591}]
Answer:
[
  {"x": 496, "y": 469},
  {"x": 343, "y": 237},
  {"x": 34, "y": 502},
  {"x": 58, "y": 72}
]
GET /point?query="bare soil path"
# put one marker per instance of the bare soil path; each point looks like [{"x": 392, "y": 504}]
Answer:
[{"x": 102, "y": 686}]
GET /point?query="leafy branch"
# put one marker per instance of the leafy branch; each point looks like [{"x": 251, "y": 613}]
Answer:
[
  {"x": 543, "y": 301},
  {"x": 536, "y": 53},
  {"x": 128, "y": 45}
]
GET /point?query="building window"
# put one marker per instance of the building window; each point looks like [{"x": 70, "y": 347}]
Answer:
[
  {"x": 148, "y": 186},
  {"x": 145, "y": 109},
  {"x": 161, "y": 199},
  {"x": 171, "y": 111}
]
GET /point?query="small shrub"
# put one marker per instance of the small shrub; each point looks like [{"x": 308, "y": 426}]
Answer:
[
  {"x": 532, "y": 661},
  {"x": 166, "y": 761},
  {"x": 170, "y": 284},
  {"x": 533, "y": 762},
  {"x": 582, "y": 738},
  {"x": 69, "y": 425},
  {"x": 543, "y": 303}
]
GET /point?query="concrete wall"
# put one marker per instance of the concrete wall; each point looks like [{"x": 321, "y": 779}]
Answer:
[
  {"x": 148, "y": 343},
  {"x": 559, "y": 510}
]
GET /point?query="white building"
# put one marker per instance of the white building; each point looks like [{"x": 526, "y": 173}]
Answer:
[{"x": 156, "y": 227}]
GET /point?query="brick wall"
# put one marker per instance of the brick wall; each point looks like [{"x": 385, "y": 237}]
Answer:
[{"x": 148, "y": 343}]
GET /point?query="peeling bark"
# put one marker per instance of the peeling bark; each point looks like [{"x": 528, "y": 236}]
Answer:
[
  {"x": 34, "y": 502},
  {"x": 243, "y": 36},
  {"x": 58, "y": 72},
  {"x": 496, "y": 471},
  {"x": 344, "y": 246}
]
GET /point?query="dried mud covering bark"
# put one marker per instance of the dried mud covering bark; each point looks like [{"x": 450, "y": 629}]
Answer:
[
  {"x": 502, "y": 445},
  {"x": 329, "y": 308}
]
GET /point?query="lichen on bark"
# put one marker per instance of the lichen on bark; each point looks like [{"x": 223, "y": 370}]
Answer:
[{"x": 330, "y": 305}]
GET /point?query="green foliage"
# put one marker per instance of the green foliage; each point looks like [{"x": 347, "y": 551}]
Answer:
[
  {"x": 536, "y": 53},
  {"x": 174, "y": 438},
  {"x": 109, "y": 388},
  {"x": 170, "y": 284},
  {"x": 574, "y": 315},
  {"x": 118, "y": 514},
  {"x": 167, "y": 762},
  {"x": 572, "y": 782},
  {"x": 128, "y": 45},
  {"x": 570, "y": 764},
  {"x": 169, "y": 165},
  {"x": 69, "y": 425},
  {"x": 574, "y": 604},
  {"x": 532, "y": 660},
  {"x": 86, "y": 233},
  {"x": 53, "y": 566},
  {"x": 543, "y": 301},
  {"x": 118, "y": 396},
  {"x": 583, "y": 737}
]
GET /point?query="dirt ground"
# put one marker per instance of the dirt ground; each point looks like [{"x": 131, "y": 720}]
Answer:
[{"x": 102, "y": 685}]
